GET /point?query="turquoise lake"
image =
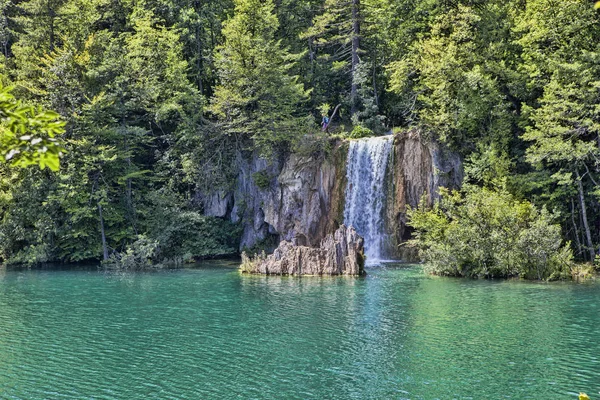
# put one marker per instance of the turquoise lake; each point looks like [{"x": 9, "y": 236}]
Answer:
[{"x": 209, "y": 332}]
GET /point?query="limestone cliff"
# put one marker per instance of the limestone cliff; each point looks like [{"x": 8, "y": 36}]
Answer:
[
  {"x": 418, "y": 168},
  {"x": 298, "y": 199},
  {"x": 301, "y": 199}
]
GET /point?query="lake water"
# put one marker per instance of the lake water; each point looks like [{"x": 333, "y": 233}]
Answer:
[{"x": 209, "y": 332}]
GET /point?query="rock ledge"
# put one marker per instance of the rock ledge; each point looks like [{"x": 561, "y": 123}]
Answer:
[{"x": 340, "y": 253}]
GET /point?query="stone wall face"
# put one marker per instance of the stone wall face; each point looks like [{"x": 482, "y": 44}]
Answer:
[
  {"x": 418, "y": 169},
  {"x": 301, "y": 199}
]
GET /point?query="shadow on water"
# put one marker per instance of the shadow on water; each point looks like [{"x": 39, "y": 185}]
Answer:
[{"x": 230, "y": 263}]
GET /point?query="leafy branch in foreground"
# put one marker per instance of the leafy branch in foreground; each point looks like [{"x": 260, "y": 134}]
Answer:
[{"x": 28, "y": 133}]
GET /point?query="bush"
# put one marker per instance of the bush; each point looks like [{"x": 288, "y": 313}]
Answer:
[
  {"x": 190, "y": 235},
  {"x": 359, "y": 132},
  {"x": 183, "y": 236},
  {"x": 484, "y": 233},
  {"x": 262, "y": 179},
  {"x": 313, "y": 145},
  {"x": 140, "y": 255},
  {"x": 31, "y": 255}
]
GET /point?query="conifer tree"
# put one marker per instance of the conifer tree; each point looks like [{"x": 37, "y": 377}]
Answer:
[
  {"x": 257, "y": 96},
  {"x": 337, "y": 32}
]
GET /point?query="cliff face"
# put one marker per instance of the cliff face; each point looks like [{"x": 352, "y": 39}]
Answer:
[
  {"x": 301, "y": 199},
  {"x": 417, "y": 169}
]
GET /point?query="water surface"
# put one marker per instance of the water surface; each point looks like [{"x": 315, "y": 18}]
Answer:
[{"x": 210, "y": 333}]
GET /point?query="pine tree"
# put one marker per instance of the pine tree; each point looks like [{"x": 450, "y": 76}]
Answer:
[
  {"x": 257, "y": 96},
  {"x": 562, "y": 64},
  {"x": 336, "y": 33}
]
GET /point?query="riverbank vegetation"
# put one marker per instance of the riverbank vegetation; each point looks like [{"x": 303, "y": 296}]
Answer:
[
  {"x": 159, "y": 98},
  {"x": 484, "y": 233}
]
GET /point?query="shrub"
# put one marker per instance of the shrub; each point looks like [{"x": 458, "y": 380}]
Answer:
[
  {"x": 360, "y": 131},
  {"x": 262, "y": 179},
  {"x": 190, "y": 235},
  {"x": 139, "y": 255},
  {"x": 485, "y": 233},
  {"x": 31, "y": 255},
  {"x": 182, "y": 237},
  {"x": 313, "y": 145},
  {"x": 249, "y": 263}
]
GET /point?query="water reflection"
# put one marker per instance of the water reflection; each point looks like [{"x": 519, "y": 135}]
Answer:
[{"x": 209, "y": 332}]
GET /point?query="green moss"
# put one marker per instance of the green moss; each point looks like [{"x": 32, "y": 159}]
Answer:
[{"x": 262, "y": 179}]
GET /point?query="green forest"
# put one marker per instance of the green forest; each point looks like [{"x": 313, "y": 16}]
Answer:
[{"x": 128, "y": 109}]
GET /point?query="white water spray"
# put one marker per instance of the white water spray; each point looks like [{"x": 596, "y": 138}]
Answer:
[{"x": 365, "y": 197}]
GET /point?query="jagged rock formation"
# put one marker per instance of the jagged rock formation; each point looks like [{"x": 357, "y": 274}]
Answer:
[
  {"x": 301, "y": 199},
  {"x": 340, "y": 253},
  {"x": 418, "y": 168}
]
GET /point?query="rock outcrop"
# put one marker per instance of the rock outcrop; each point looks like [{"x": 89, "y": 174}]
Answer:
[
  {"x": 340, "y": 253},
  {"x": 418, "y": 168},
  {"x": 300, "y": 199}
]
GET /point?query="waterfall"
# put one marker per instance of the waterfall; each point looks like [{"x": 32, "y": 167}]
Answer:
[{"x": 365, "y": 191}]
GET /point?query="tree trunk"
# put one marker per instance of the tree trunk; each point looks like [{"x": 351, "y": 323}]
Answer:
[
  {"x": 355, "y": 48},
  {"x": 586, "y": 226},
  {"x": 104, "y": 246},
  {"x": 375, "y": 95},
  {"x": 582, "y": 233},
  {"x": 577, "y": 241}
]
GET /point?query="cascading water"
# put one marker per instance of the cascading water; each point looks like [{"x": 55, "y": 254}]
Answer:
[{"x": 365, "y": 196}]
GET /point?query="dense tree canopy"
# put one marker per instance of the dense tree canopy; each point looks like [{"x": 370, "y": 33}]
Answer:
[{"x": 158, "y": 96}]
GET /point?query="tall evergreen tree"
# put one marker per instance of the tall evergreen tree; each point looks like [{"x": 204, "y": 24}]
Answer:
[
  {"x": 257, "y": 96},
  {"x": 562, "y": 64},
  {"x": 335, "y": 36}
]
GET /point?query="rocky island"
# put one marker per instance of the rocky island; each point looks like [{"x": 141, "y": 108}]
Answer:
[{"x": 340, "y": 253}]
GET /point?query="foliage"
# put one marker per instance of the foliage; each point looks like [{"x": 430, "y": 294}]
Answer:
[
  {"x": 262, "y": 179},
  {"x": 325, "y": 108},
  {"x": 31, "y": 255},
  {"x": 188, "y": 234},
  {"x": 263, "y": 247},
  {"x": 28, "y": 134},
  {"x": 188, "y": 237},
  {"x": 140, "y": 255},
  {"x": 248, "y": 263},
  {"x": 583, "y": 272},
  {"x": 257, "y": 95},
  {"x": 368, "y": 113},
  {"x": 156, "y": 102},
  {"x": 333, "y": 51},
  {"x": 486, "y": 233},
  {"x": 359, "y": 131},
  {"x": 452, "y": 80},
  {"x": 313, "y": 145}
]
